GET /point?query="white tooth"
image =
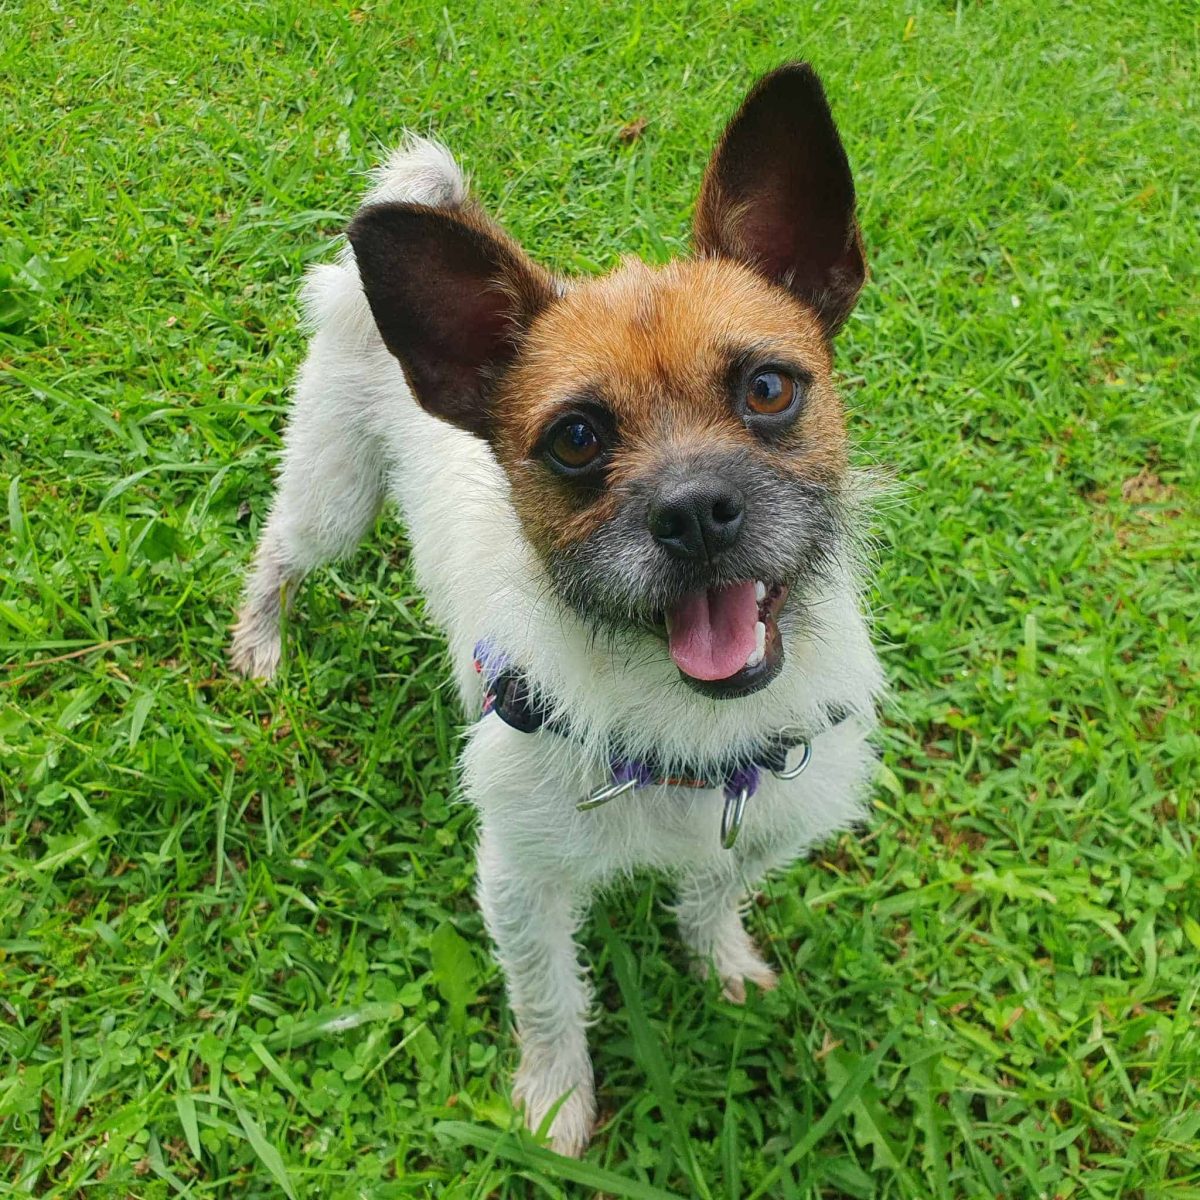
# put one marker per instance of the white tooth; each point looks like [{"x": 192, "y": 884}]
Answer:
[
  {"x": 760, "y": 591},
  {"x": 760, "y": 645}
]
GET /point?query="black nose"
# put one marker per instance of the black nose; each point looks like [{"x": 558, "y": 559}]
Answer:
[{"x": 697, "y": 519}]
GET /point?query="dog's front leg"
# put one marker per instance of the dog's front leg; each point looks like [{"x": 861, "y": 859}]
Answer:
[
  {"x": 707, "y": 907},
  {"x": 532, "y": 917}
]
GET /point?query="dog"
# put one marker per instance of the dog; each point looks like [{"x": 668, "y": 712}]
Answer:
[{"x": 631, "y": 510}]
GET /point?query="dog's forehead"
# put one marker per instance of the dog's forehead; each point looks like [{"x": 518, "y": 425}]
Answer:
[{"x": 641, "y": 335}]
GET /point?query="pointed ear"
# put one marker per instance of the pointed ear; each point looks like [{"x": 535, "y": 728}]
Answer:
[
  {"x": 778, "y": 195},
  {"x": 452, "y": 300}
]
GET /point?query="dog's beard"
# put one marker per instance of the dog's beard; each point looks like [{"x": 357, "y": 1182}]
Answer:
[{"x": 622, "y": 584}]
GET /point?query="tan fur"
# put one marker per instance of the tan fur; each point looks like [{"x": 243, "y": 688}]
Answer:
[{"x": 653, "y": 345}]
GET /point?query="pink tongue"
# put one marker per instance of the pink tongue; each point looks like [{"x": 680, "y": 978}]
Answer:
[{"x": 711, "y": 633}]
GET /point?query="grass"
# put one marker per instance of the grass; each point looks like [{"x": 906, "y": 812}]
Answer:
[{"x": 238, "y": 949}]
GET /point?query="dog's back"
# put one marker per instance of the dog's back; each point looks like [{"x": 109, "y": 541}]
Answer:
[{"x": 355, "y": 433}]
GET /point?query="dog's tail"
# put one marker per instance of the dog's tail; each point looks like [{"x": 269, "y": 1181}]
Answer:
[{"x": 418, "y": 171}]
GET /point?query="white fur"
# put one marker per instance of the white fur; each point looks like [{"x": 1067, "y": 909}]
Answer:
[{"x": 356, "y": 435}]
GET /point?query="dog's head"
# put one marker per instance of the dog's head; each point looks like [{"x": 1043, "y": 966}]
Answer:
[{"x": 674, "y": 443}]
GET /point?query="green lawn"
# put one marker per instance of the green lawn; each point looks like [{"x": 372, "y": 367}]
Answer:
[{"x": 239, "y": 954}]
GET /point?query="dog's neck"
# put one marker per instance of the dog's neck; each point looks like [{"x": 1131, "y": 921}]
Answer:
[{"x": 622, "y": 687}]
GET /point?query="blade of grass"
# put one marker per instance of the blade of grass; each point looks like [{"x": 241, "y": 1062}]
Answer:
[
  {"x": 650, "y": 1053},
  {"x": 509, "y": 1146},
  {"x": 267, "y": 1154},
  {"x": 837, "y": 1106},
  {"x": 185, "y": 1106}
]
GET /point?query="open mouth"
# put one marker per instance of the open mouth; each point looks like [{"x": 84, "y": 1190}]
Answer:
[{"x": 725, "y": 640}]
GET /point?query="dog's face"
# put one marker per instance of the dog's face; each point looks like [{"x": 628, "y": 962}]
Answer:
[
  {"x": 675, "y": 451},
  {"x": 675, "y": 447}
]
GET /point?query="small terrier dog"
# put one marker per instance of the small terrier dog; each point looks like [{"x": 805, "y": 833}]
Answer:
[{"x": 631, "y": 510}]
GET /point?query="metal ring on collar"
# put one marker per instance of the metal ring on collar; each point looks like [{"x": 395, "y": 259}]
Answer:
[
  {"x": 805, "y": 748},
  {"x": 602, "y": 795},
  {"x": 732, "y": 816}
]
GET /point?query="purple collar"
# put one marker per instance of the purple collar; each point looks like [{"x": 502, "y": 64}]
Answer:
[{"x": 508, "y": 695}]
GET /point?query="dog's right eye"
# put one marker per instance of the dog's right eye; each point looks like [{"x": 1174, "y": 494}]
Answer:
[{"x": 573, "y": 447}]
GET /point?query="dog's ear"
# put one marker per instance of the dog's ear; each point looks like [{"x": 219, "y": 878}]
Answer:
[
  {"x": 452, "y": 299},
  {"x": 779, "y": 196}
]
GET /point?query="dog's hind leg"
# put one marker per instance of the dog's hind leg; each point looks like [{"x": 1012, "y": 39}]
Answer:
[
  {"x": 707, "y": 908},
  {"x": 333, "y": 475},
  {"x": 330, "y": 487}
]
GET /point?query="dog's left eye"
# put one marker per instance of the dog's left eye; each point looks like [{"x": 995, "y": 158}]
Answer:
[
  {"x": 770, "y": 393},
  {"x": 574, "y": 446}
]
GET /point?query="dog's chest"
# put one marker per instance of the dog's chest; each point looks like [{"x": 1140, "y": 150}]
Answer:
[{"x": 527, "y": 786}]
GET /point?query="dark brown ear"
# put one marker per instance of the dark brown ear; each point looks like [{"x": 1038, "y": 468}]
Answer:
[
  {"x": 452, "y": 300},
  {"x": 778, "y": 195}
]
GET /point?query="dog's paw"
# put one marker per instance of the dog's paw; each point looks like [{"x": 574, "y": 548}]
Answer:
[
  {"x": 735, "y": 966},
  {"x": 538, "y": 1090},
  {"x": 723, "y": 948},
  {"x": 256, "y": 647},
  {"x": 733, "y": 982}
]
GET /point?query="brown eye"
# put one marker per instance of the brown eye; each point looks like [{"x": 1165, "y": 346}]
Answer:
[
  {"x": 770, "y": 393},
  {"x": 574, "y": 447}
]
